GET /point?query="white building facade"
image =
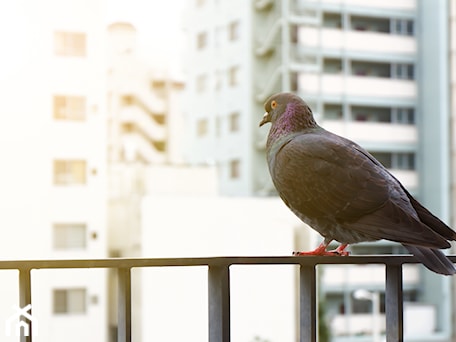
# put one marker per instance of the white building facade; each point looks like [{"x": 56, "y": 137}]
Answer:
[
  {"x": 375, "y": 72},
  {"x": 53, "y": 147}
]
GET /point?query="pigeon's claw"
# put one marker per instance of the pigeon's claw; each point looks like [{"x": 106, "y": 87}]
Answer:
[
  {"x": 341, "y": 250},
  {"x": 321, "y": 251}
]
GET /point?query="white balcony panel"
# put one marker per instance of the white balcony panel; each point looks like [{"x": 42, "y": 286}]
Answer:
[
  {"x": 136, "y": 115},
  {"x": 408, "y": 5},
  {"x": 135, "y": 144},
  {"x": 356, "y": 41},
  {"x": 375, "y": 132},
  {"x": 419, "y": 322},
  {"x": 408, "y": 178},
  {"x": 338, "y": 276},
  {"x": 356, "y": 86},
  {"x": 355, "y": 324}
]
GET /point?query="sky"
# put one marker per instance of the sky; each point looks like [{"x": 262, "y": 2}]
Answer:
[{"x": 159, "y": 27}]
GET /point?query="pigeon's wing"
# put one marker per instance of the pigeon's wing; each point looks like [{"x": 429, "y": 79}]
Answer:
[{"x": 321, "y": 175}]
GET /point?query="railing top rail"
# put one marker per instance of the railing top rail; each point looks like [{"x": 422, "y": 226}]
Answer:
[{"x": 208, "y": 261}]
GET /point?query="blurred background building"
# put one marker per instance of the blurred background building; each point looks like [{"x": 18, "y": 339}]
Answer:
[
  {"x": 53, "y": 148},
  {"x": 376, "y": 72}
]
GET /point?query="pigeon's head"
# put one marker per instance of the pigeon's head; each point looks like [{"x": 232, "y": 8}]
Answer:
[{"x": 290, "y": 108}]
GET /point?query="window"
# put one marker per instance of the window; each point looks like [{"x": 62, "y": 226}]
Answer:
[
  {"x": 403, "y": 71},
  {"x": 70, "y": 236},
  {"x": 403, "y": 115},
  {"x": 70, "y": 44},
  {"x": 202, "y": 127},
  {"x": 332, "y": 20},
  {"x": 69, "y": 108},
  {"x": 371, "y": 69},
  {"x": 397, "y": 160},
  {"x": 233, "y": 31},
  {"x": 371, "y": 114},
  {"x": 332, "y": 111},
  {"x": 218, "y": 126},
  {"x": 371, "y": 24},
  {"x": 402, "y": 27},
  {"x": 233, "y": 76},
  {"x": 332, "y": 66},
  {"x": 127, "y": 100},
  {"x": 201, "y": 40},
  {"x": 69, "y": 172},
  {"x": 159, "y": 87},
  {"x": 70, "y": 301},
  {"x": 201, "y": 83},
  {"x": 404, "y": 161},
  {"x": 235, "y": 169},
  {"x": 294, "y": 82},
  {"x": 218, "y": 80},
  {"x": 234, "y": 124},
  {"x": 384, "y": 158}
]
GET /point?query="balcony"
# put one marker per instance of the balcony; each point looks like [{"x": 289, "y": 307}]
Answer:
[
  {"x": 374, "y": 132},
  {"x": 362, "y": 86},
  {"x": 138, "y": 146},
  {"x": 406, "y": 5},
  {"x": 355, "y": 41},
  {"x": 218, "y": 278},
  {"x": 134, "y": 115}
]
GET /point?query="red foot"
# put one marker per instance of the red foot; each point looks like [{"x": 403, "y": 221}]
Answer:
[{"x": 321, "y": 251}]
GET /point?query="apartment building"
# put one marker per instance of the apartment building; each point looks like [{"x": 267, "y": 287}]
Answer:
[
  {"x": 375, "y": 72},
  {"x": 53, "y": 143},
  {"x": 144, "y": 129}
]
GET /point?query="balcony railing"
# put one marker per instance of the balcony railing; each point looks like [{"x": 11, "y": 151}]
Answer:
[{"x": 219, "y": 287}]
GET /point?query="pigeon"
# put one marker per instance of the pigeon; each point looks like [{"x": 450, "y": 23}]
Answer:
[{"x": 344, "y": 193}]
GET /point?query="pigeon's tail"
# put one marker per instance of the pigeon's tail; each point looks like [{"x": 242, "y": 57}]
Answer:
[{"x": 432, "y": 258}]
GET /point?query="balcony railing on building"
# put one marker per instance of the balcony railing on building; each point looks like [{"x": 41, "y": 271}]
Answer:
[{"x": 218, "y": 276}]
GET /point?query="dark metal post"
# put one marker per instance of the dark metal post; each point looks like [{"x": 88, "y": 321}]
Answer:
[
  {"x": 25, "y": 299},
  {"x": 308, "y": 304},
  {"x": 124, "y": 305},
  {"x": 219, "y": 303},
  {"x": 394, "y": 304}
]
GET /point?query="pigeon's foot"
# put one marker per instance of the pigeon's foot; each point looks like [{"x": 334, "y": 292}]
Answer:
[{"x": 321, "y": 251}]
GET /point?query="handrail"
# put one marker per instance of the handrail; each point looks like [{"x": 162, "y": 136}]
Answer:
[
  {"x": 219, "y": 286},
  {"x": 209, "y": 261}
]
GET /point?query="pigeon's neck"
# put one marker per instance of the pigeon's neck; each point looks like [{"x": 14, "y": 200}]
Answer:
[{"x": 296, "y": 118}]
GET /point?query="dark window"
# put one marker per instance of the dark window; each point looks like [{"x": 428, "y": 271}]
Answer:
[
  {"x": 332, "y": 111},
  {"x": 72, "y": 108},
  {"x": 70, "y": 301},
  {"x": 201, "y": 40},
  {"x": 234, "y": 124},
  {"x": 70, "y": 172},
  {"x": 332, "y": 20},
  {"x": 373, "y": 114},
  {"x": 371, "y": 69},
  {"x": 370, "y": 24},
  {"x": 202, "y": 127},
  {"x": 235, "y": 169},
  {"x": 70, "y": 236},
  {"x": 70, "y": 44}
]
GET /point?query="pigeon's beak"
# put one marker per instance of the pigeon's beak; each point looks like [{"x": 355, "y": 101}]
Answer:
[{"x": 265, "y": 119}]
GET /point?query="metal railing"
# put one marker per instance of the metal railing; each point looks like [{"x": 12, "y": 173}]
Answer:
[{"x": 219, "y": 287}]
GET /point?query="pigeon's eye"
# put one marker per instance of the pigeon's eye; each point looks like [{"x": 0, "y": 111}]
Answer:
[{"x": 273, "y": 104}]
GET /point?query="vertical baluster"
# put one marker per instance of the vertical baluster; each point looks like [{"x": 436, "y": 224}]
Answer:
[
  {"x": 308, "y": 304},
  {"x": 394, "y": 304},
  {"x": 219, "y": 303},
  {"x": 25, "y": 299},
  {"x": 124, "y": 305}
]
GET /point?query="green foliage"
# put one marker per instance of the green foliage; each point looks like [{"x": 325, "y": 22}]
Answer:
[{"x": 324, "y": 334}]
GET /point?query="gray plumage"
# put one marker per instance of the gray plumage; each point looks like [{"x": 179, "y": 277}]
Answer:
[{"x": 342, "y": 191}]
